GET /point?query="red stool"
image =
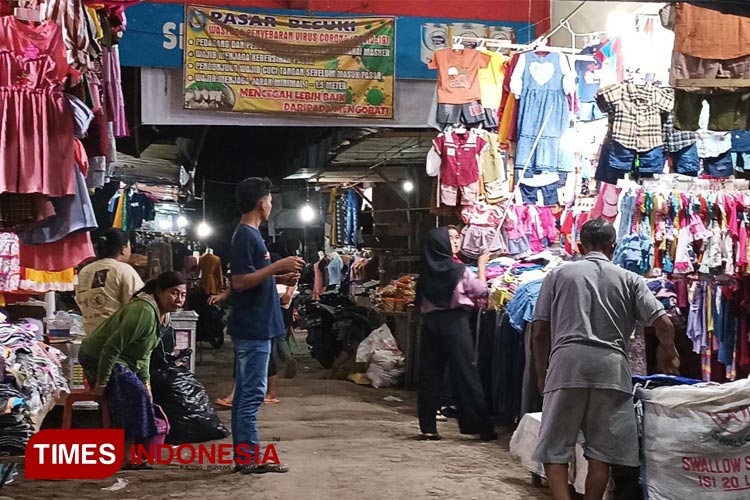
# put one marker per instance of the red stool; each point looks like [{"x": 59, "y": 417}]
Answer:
[{"x": 85, "y": 394}]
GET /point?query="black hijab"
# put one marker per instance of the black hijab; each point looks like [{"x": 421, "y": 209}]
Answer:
[{"x": 440, "y": 273}]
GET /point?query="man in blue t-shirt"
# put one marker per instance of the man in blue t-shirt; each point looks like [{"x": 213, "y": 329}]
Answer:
[{"x": 255, "y": 319}]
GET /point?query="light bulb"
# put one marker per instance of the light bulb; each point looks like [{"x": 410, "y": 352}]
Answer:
[
  {"x": 165, "y": 224},
  {"x": 182, "y": 221},
  {"x": 203, "y": 230},
  {"x": 408, "y": 186},
  {"x": 307, "y": 213}
]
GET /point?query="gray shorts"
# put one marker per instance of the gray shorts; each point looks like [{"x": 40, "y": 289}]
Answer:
[{"x": 606, "y": 417}]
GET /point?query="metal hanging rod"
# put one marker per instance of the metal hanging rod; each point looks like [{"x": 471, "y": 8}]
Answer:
[{"x": 572, "y": 53}]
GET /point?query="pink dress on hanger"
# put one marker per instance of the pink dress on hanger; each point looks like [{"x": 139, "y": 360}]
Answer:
[{"x": 36, "y": 122}]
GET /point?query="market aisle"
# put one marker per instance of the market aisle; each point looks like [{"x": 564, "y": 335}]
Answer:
[{"x": 339, "y": 439}]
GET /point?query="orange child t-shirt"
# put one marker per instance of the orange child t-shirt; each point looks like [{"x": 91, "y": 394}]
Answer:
[{"x": 458, "y": 74}]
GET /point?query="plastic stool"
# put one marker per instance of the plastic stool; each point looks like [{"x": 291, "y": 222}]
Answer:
[{"x": 85, "y": 394}]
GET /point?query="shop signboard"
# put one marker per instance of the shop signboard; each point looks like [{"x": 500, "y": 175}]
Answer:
[
  {"x": 262, "y": 63},
  {"x": 156, "y": 31}
]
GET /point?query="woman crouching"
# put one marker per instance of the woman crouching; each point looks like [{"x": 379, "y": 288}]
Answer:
[{"x": 116, "y": 357}]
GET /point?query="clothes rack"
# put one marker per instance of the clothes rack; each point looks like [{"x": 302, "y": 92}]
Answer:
[
  {"x": 712, "y": 83},
  {"x": 572, "y": 53}
]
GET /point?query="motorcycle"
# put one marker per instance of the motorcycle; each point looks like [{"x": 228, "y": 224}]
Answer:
[{"x": 336, "y": 324}]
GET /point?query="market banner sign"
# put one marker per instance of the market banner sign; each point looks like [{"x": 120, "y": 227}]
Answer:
[
  {"x": 156, "y": 34},
  {"x": 267, "y": 63}
]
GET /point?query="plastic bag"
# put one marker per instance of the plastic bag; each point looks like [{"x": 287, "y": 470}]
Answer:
[
  {"x": 432, "y": 165},
  {"x": 386, "y": 362},
  {"x": 379, "y": 339},
  {"x": 386, "y": 369},
  {"x": 192, "y": 417},
  {"x": 696, "y": 441}
]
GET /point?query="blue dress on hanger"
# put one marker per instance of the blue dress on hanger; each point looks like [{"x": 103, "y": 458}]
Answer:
[{"x": 542, "y": 93}]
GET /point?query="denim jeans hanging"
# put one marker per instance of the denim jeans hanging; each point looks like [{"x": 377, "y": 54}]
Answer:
[{"x": 353, "y": 207}]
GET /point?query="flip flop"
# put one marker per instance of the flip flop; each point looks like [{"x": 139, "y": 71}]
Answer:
[
  {"x": 273, "y": 401},
  {"x": 223, "y": 403}
]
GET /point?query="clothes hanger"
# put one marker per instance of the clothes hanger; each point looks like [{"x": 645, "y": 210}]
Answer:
[
  {"x": 458, "y": 44},
  {"x": 30, "y": 11}
]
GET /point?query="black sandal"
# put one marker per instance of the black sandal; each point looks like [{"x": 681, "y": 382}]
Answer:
[{"x": 429, "y": 437}]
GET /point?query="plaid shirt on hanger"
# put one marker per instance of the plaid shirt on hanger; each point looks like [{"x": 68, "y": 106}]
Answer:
[
  {"x": 635, "y": 113},
  {"x": 676, "y": 140}
]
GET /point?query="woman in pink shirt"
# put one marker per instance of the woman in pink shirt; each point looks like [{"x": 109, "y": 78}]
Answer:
[{"x": 446, "y": 292}]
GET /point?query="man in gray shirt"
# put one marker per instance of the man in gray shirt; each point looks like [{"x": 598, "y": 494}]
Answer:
[{"x": 583, "y": 319}]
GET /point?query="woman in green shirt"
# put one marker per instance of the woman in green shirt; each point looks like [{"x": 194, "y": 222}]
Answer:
[{"x": 116, "y": 356}]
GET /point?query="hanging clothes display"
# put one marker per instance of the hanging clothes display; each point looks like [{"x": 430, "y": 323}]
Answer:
[
  {"x": 141, "y": 209},
  {"x": 605, "y": 69},
  {"x": 72, "y": 214},
  {"x": 335, "y": 266},
  {"x": 508, "y": 111},
  {"x": 160, "y": 256},
  {"x": 37, "y": 124},
  {"x": 60, "y": 103},
  {"x": 212, "y": 277},
  {"x": 133, "y": 210},
  {"x": 491, "y": 80},
  {"x": 541, "y": 82},
  {"x": 681, "y": 149},
  {"x": 710, "y": 45},
  {"x": 493, "y": 171},
  {"x": 333, "y": 210},
  {"x": 636, "y": 139},
  {"x": 10, "y": 266},
  {"x": 63, "y": 254},
  {"x": 342, "y": 212},
  {"x": 319, "y": 271},
  {"x": 345, "y": 208},
  {"x": 459, "y": 152},
  {"x": 353, "y": 208},
  {"x": 459, "y": 93},
  {"x": 687, "y": 238}
]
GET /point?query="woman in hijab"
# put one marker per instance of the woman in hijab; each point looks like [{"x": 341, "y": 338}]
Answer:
[{"x": 446, "y": 292}]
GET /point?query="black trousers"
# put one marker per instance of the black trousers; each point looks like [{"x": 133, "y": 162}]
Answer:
[{"x": 446, "y": 341}]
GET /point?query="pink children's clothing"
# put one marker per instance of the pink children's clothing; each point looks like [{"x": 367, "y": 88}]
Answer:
[
  {"x": 533, "y": 227},
  {"x": 10, "y": 268},
  {"x": 449, "y": 194},
  {"x": 742, "y": 250},
  {"x": 605, "y": 206},
  {"x": 549, "y": 224},
  {"x": 58, "y": 256},
  {"x": 518, "y": 241},
  {"x": 111, "y": 70},
  {"x": 481, "y": 214},
  {"x": 36, "y": 122}
]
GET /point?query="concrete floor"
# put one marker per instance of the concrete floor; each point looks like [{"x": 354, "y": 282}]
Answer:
[{"x": 340, "y": 441}]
